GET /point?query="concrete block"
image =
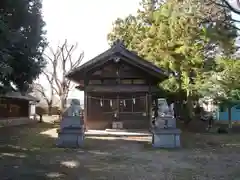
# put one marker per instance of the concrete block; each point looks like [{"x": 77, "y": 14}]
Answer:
[{"x": 166, "y": 138}]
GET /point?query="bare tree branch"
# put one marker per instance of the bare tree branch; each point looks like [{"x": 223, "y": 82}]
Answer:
[
  {"x": 226, "y": 4},
  {"x": 39, "y": 88},
  {"x": 50, "y": 79},
  {"x": 60, "y": 62}
]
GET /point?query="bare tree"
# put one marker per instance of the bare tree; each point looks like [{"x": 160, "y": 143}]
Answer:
[
  {"x": 39, "y": 89},
  {"x": 60, "y": 61},
  {"x": 224, "y": 11},
  {"x": 233, "y": 5}
]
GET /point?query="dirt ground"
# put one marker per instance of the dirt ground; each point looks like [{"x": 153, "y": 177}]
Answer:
[{"x": 29, "y": 152}]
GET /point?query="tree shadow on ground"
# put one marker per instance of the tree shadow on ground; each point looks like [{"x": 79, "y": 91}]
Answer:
[
  {"x": 27, "y": 153},
  {"x": 209, "y": 140}
]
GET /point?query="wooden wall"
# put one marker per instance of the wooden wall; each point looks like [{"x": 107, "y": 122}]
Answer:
[
  {"x": 133, "y": 113},
  {"x": 10, "y": 108},
  {"x": 116, "y": 88}
]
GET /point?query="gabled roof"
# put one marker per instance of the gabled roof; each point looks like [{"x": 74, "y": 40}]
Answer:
[
  {"x": 130, "y": 57},
  {"x": 18, "y": 95}
]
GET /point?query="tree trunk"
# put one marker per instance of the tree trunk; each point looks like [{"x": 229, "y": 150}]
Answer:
[
  {"x": 229, "y": 117},
  {"x": 62, "y": 105},
  {"x": 49, "y": 109},
  {"x": 179, "y": 108},
  {"x": 190, "y": 113},
  {"x": 40, "y": 118}
]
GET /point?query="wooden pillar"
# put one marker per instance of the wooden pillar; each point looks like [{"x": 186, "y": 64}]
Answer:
[
  {"x": 146, "y": 103},
  {"x": 118, "y": 108},
  {"x": 85, "y": 106},
  {"x": 150, "y": 108},
  {"x": 29, "y": 109},
  {"x": 149, "y": 104}
]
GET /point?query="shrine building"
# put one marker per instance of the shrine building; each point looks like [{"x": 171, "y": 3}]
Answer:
[{"x": 119, "y": 89}]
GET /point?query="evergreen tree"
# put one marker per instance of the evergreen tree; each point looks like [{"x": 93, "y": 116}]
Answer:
[
  {"x": 184, "y": 37},
  {"x": 22, "y": 42}
]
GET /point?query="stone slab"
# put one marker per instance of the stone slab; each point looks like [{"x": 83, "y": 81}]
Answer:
[
  {"x": 166, "y": 138},
  {"x": 166, "y": 131},
  {"x": 71, "y": 131},
  {"x": 70, "y": 140}
]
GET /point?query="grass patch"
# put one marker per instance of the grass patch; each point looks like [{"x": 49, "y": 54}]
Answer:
[{"x": 27, "y": 137}]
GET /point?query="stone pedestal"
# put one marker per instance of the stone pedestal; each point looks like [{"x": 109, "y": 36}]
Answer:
[
  {"x": 117, "y": 125},
  {"x": 165, "y": 134},
  {"x": 166, "y": 138},
  {"x": 71, "y": 132}
]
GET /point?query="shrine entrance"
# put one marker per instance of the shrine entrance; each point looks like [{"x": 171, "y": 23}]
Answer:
[
  {"x": 118, "y": 86},
  {"x": 119, "y": 110}
]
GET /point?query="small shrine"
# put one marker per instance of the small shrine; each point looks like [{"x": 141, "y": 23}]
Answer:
[
  {"x": 164, "y": 131},
  {"x": 71, "y": 132},
  {"x": 119, "y": 87}
]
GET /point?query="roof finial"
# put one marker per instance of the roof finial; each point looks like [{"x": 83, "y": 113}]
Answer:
[{"x": 119, "y": 43}]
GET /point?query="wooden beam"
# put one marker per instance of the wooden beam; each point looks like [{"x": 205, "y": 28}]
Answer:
[
  {"x": 146, "y": 68},
  {"x": 118, "y": 88},
  {"x": 150, "y": 109},
  {"x": 80, "y": 88}
]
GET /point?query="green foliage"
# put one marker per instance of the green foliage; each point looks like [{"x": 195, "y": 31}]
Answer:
[
  {"x": 21, "y": 42},
  {"x": 229, "y": 81},
  {"x": 224, "y": 85},
  {"x": 181, "y": 36},
  {"x": 184, "y": 37}
]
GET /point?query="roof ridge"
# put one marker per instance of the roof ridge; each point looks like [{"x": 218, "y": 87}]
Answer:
[{"x": 119, "y": 47}]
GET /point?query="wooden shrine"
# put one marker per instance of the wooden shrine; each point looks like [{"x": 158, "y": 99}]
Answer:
[{"x": 118, "y": 86}]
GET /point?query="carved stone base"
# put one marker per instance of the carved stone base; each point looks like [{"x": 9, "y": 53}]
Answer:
[
  {"x": 70, "y": 139},
  {"x": 166, "y": 138},
  {"x": 117, "y": 125}
]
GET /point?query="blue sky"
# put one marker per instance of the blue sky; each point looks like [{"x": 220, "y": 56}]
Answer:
[{"x": 86, "y": 22}]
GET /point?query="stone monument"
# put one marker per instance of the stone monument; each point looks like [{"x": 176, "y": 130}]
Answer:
[
  {"x": 71, "y": 132},
  {"x": 164, "y": 132}
]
